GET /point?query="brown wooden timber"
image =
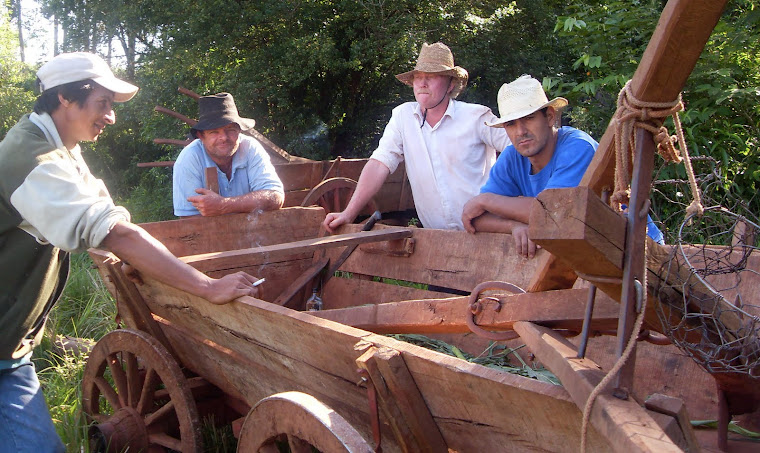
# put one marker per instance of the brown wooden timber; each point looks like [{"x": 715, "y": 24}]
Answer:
[
  {"x": 675, "y": 408},
  {"x": 562, "y": 309},
  {"x": 301, "y": 282},
  {"x": 232, "y": 259},
  {"x": 402, "y": 401},
  {"x": 682, "y": 31},
  {"x": 212, "y": 179},
  {"x": 577, "y": 225},
  {"x": 627, "y": 426}
]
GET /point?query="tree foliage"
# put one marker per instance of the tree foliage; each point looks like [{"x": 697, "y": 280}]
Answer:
[{"x": 16, "y": 94}]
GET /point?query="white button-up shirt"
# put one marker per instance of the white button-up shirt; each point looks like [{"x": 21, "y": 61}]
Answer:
[{"x": 446, "y": 164}]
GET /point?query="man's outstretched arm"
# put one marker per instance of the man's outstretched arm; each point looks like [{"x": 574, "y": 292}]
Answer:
[
  {"x": 371, "y": 179},
  {"x": 209, "y": 203}
]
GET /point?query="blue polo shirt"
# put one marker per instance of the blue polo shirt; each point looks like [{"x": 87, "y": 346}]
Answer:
[
  {"x": 252, "y": 170},
  {"x": 511, "y": 174}
]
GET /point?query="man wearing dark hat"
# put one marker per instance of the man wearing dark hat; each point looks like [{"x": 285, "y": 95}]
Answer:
[
  {"x": 51, "y": 205},
  {"x": 444, "y": 143},
  {"x": 542, "y": 156},
  {"x": 247, "y": 178}
]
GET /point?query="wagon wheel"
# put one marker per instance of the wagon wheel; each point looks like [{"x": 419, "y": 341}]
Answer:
[
  {"x": 135, "y": 391},
  {"x": 301, "y": 422},
  {"x": 333, "y": 194}
]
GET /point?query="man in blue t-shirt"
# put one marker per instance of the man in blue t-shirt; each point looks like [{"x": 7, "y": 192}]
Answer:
[
  {"x": 542, "y": 156},
  {"x": 247, "y": 178}
]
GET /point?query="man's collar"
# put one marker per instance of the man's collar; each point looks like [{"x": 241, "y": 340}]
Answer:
[{"x": 45, "y": 122}]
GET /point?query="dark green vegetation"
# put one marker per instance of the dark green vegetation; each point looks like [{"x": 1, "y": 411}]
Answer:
[{"x": 318, "y": 75}]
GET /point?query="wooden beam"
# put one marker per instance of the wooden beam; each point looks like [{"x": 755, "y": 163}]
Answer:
[
  {"x": 627, "y": 426},
  {"x": 405, "y": 408},
  {"x": 562, "y": 309},
  {"x": 574, "y": 223},
  {"x": 681, "y": 33},
  {"x": 299, "y": 283},
  {"x": 207, "y": 262}
]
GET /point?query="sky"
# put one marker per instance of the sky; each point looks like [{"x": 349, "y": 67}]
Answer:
[{"x": 38, "y": 33}]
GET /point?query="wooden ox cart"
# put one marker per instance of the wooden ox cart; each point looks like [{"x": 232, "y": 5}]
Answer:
[{"x": 307, "y": 363}]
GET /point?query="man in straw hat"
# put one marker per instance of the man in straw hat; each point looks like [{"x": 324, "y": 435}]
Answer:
[
  {"x": 246, "y": 176},
  {"x": 50, "y": 206},
  {"x": 542, "y": 156},
  {"x": 445, "y": 144}
]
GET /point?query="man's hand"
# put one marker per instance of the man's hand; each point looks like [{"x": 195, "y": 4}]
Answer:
[
  {"x": 208, "y": 202},
  {"x": 230, "y": 287},
  {"x": 335, "y": 219},
  {"x": 471, "y": 211},
  {"x": 523, "y": 245}
]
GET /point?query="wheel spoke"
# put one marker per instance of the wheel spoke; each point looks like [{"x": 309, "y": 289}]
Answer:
[
  {"x": 147, "y": 392},
  {"x": 336, "y": 200},
  {"x": 165, "y": 411},
  {"x": 165, "y": 440},
  {"x": 119, "y": 378},
  {"x": 133, "y": 380},
  {"x": 108, "y": 393}
]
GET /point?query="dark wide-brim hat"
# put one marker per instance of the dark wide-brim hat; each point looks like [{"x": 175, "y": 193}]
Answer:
[
  {"x": 437, "y": 59},
  {"x": 219, "y": 110}
]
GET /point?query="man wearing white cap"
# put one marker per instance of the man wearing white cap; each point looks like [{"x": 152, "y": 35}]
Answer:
[
  {"x": 542, "y": 156},
  {"x": 447, "y": 148},
  {"x": 51, "y": 205}
]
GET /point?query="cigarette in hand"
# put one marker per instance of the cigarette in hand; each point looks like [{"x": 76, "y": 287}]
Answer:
[{"x": 258, "y": 282}]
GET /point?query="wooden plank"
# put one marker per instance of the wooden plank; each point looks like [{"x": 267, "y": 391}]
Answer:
[
  {"x": 451, "y": 259},
  {"x": 678, "y": 40},
  {"x": 299, "y": 283},
  {"x": 253, "y": 349},
  {"x": 194, "y": 235},
  {"x": 212, "y": 179},
  {"x": 231, "y": 259},
  {"x": 342, "y": 292},
  {"x": 591, "y": 237},
  {"x": 675, "y": 408},
  {"x": 563, "y": 309},
  {"x": 402, "y": 401},
  {"x": 624, "y": 423}
]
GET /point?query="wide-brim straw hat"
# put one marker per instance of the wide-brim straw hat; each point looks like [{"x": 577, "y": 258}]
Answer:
[
  {"x": 521, "y": 98},
  {"x": 219, "y": 110},
  {"x": 437, "y": 59}
]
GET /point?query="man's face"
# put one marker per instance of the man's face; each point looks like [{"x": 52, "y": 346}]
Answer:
[
  {"x": 86, "y": 122},
  {"x": 429, "y": 89},
  {"x": 221, "y": 143},
  {"x": 530, "y": 134}
]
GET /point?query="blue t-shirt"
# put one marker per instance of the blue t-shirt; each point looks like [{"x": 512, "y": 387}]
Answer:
[
  {"x": 511, "y": 174},
  {"x": 252, "y": 170}
]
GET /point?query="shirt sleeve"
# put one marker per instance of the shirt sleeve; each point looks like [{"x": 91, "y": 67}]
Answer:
[
  {"x": 390, "y": 150},
  {"x": 66, "y": 206},
  {"x": 495, "y": 137},
  {"x": 187, "y": 175},
  {"x": 500, "y": 181},
  {"x": 261, "y": 171},
  {"x": 572, "y": 160}
]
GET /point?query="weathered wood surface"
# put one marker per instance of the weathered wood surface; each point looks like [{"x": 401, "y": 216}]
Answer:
[
  {"x": 575, "y": 224},
  {"x": 451, "y": 259},
  {"x": 196, "y": 235},
  {"x": 252, "y": 349},
  {"x": 627, "y": 426},
  {"x": 562, "y": 309},
  {"x": 682, "y": 31},
  {"x": 233, "y": 259},
  {"x": 401, "y": 400}
]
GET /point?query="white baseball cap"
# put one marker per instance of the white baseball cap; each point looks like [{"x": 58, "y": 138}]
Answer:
[{"x": 72, "y": 67}]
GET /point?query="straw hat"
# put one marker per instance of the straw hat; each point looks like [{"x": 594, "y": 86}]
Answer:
[
  {"x": 75, "y": 66},
  {"x": 521, "y": 98},
  {"x": 219, "y": 110},
  {"x": 437, "y": 59}
]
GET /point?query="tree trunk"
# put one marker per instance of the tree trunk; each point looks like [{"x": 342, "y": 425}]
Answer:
[{"x": 20, "y": 25}]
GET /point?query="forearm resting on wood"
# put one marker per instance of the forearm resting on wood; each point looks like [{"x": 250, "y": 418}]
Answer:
[
  {"x": 371, "y": 179},
  {"x": 145, "y": 253},
  {"x": 490, "y": 223},
  {"x": 264, "y": 200},
  {"x": 514, "y": 208}
]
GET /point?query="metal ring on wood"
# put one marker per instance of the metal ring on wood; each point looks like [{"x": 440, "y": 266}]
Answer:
[{"x": 475, "y": 307}]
